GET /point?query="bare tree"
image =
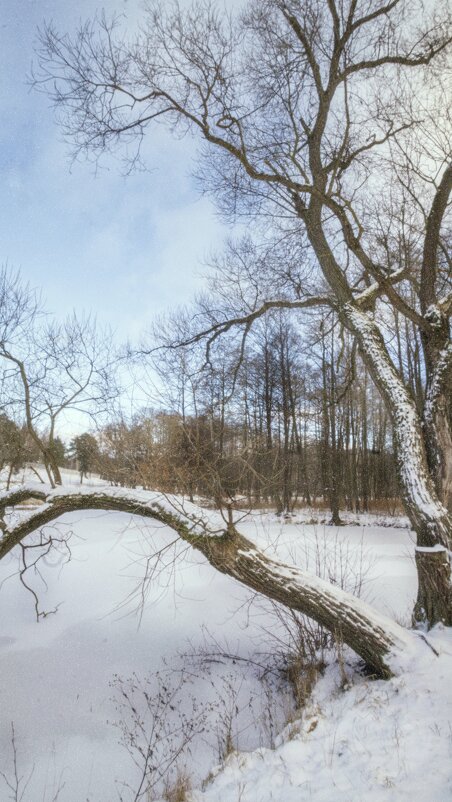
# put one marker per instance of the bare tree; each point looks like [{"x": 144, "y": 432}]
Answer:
[
  {"x": 49, "y": 367},
  {"x": 310, "y": 112}
]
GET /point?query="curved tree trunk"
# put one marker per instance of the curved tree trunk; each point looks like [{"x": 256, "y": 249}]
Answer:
[
  {"x": 429, "y": 518},
  {"x": 384, "y": 645}
]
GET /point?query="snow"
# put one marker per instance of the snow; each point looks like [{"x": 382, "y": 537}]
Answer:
[
  {"x": 56, "y": 674},
  {"x": 433, "y": 316},
  {"x": 436, "y": 383},
  {"x": 431, "y": 549},
  {"x": 372, "y": 740}
]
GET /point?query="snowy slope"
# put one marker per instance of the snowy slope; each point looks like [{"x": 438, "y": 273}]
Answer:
[{"x": 374, "y": 741}]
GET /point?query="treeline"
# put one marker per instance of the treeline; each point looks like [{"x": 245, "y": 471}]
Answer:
[
  {"x": 292, "y": 418},
  {"x": 287, "y": 417}
]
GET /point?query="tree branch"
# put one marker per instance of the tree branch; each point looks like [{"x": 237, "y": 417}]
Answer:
[
  {"x": 435, "y": 217},
  {"x": 217, "y": 329},
  {"x": 401, "y": 61}
]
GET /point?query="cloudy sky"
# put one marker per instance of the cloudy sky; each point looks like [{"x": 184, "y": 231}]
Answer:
[{"x": 124, "y": 248}]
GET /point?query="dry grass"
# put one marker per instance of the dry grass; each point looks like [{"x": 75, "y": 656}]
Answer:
[
  {"x": 382, "y": 506},
  {"x": 178, "y": 790}
]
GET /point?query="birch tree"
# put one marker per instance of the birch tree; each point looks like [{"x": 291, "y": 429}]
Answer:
[{"x": 326, "y": 123}]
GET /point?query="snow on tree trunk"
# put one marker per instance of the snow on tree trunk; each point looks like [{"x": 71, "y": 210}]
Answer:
[
  {"x": 428, "y": 516},
  {"x": 384, "y": 645}
]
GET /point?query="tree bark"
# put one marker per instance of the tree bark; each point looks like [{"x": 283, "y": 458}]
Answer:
[
  {"x": 437, "y": 426},
  {"x": 434, "y": 599}
]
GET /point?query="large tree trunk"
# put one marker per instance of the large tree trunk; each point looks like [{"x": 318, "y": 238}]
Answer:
[
  {"x": 428, "y": 516},
  {"x": 437, "y": 425},
  {"x": 383, "y": 644},
  {"x": 437, "y": 346}
]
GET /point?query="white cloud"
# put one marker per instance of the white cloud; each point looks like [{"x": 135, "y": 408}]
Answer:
[{"x": 124, "y": 248}]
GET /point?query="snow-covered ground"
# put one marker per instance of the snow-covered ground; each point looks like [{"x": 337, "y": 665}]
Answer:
[
  {"x": 374, "y": 741},
  {"x": 71, "y": 683}
]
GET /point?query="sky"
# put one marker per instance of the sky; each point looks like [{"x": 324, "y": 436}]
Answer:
[{"x": 124, "y": 248}]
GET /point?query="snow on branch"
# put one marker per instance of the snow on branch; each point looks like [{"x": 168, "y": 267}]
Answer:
[{"x": 187, "y": 519}]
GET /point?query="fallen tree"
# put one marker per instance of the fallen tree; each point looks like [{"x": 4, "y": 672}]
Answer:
[{"x": 385, "y": 646}]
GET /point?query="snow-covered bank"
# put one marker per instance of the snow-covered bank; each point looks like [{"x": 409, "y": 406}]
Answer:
[{"x": 374, "y": 741}]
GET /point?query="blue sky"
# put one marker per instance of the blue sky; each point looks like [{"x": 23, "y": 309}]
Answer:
[{"x": 124, "y": 248}]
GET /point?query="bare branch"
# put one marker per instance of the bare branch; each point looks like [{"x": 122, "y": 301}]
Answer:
[{"x": 432, "y": 239}]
